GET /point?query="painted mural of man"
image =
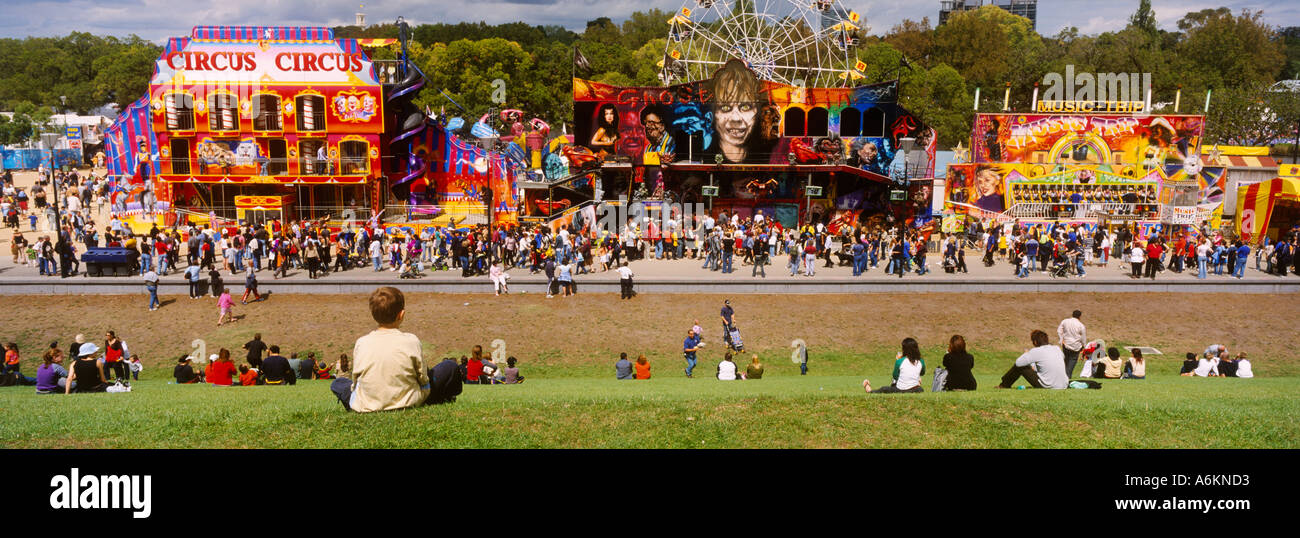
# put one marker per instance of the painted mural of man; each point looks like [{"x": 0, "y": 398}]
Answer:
[{"x": 659, "y": 147}]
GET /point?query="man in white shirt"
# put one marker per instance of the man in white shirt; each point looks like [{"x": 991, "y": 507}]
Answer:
[
  {"x": 1043, "y": 366},
  {"x": 1072, "y": 334},
  {"x": 388, "y": 370},
  {"x": 625, "y": 281}
]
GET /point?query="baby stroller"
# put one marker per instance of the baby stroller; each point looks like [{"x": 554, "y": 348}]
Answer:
[
  {"x": 439, "y": 263},
  {"x": 732, "y": 337},
  {"x": 1060, "y": 267},
  {"x": 949, "y": 264}
]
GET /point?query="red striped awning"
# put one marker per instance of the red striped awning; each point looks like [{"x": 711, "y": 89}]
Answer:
[{"x": 1241, "y": 161}]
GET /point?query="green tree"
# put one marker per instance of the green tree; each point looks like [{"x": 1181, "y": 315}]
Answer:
[
  {"x": 643, "y": 26},
  {"x": 989, "y": 47},
  {"x": 1230, "y": 50},
  {"x": 123, "y": 75},
  {"x": 1144, "y": 18},
  {"x": 1252, "y": 115}
]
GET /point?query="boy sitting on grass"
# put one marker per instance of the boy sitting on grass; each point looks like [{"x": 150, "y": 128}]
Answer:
[{"x": 388, "y": 370}]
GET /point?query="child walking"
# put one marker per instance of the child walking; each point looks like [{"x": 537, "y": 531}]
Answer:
[{"x": 227, "y": 305}]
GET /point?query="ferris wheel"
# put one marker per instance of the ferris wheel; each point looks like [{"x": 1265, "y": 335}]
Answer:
[{"x": 806, "y": 43}]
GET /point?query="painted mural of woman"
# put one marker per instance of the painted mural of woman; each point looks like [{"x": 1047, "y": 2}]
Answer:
[
  {"x": 988, "y": 190},
  {"x": 606, "y": 130},
  {"x": 991, "y": 141},
  {"x": 738, "y": 97},
  {"x": 864, "y": 154}
]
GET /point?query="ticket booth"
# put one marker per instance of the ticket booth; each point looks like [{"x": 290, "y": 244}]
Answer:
[{"x": 255, "y": 210}]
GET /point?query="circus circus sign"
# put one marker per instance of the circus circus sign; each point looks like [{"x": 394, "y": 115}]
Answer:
[{"x": 249, "y": 63}]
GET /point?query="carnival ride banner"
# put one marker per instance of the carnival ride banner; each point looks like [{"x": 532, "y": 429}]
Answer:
[
  {"x": 1152, "y": 141},
  {"x": 995, "y": 187},
  {"x": 736, "y": 118}
]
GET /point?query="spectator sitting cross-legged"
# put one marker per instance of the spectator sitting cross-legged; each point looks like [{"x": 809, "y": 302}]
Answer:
[
  {"x": 1043, "y": 366},
  {"x": 388, "y": 370},
  {"x": 184, "y": 372},
  {"x": 623, "y": 368},
  {"x": 276, "y": 369},
  {"x": 642, "y": 367}
]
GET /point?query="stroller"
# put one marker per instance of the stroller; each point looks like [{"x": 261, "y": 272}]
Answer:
[
  {"x": 949, "y": 264},
  {"x": 732, "y": 338},
  {"x": 1060, "y": 267}
]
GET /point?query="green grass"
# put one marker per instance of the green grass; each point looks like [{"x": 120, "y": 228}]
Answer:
[{"x": 784, "y": 410}]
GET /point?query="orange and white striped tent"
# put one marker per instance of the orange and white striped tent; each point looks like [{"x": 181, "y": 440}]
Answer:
[{"x": 1255, "y": 204}]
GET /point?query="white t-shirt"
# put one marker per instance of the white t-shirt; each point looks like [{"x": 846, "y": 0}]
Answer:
[
  {"x": 1136, "y": 255},
  {"x": 727, "y": 371},
  {"x": 624, "y": 272},
  {"x": 1205, "y": 367},
  {"x": 909, "y": 374}
]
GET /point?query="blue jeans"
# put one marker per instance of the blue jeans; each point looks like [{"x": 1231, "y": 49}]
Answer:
[
  {"x": 921, "y": 269},
  {"x": 659, "y": 249},
  {"x": 377, "y": 261},
  {"x": 726, "y": 262},
  {"x": 708, "y": 260},
  {"x": 153, "y": 298},
  {"x": 1240, "y": 269},
  {"x": 1078, "y": 266},
  {"x": 690, "y": 364},
  {"x": 1200, "y": 265},
  {"x": 146, "y": 263},
  {"x": 681, "y": 249},
  {"x": 239, "y": 260},
  {"x": 1023, "y": 271},
  {"x": 857, "y": 264}
]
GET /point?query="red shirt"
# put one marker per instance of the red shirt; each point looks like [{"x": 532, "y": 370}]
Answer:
[
  {"x": 221, "y": 373},
  {"x": 474, "y": 370},
  {"x": 248, "y": 378},
  {"x": 1153, "y": 251},
  {"x": 113, "y": 352}
]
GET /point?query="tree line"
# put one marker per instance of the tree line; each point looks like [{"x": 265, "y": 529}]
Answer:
[{"x": 1237, "y": 56}]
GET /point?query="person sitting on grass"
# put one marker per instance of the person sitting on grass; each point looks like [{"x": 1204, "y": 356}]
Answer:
[
  {"x": 755, "y": 368},
  {"x": 276, "y": 369},
  {"x": 623, "y": 368},
  {"x": 474, "y": 367},
  {"x": 1189, "y": 365},
  {"x": 1043, "y": 366},
  {"x": 184, "y": 372},
  {"x": 88, "y": 369},
  {"x": 959, "y": 364},
  {"x": 1207, "y": 366},
  {"x": 247, "y": 376},
  {"x": 307, "y": 368},
  {"x": 388, "y": 369},
  {"x": 221, "y": 371},
  {"x": 1109, "y": 366},
  {"x": 324, "y": 370},
  {"x": 909, "y": 367},
  {"x": 1243, "y": 367},
  {"x": 511, "y": 372},
  {"x": 1227, "y": 366},
  {"x": 490, "y": 372},
  {"x": 50, "y": 375},
  {"x": 1092, "y": 352},
  {"x": 1136, "y": 367},
  {"x": 726, "y": 368},
  {"x": 642, "y": 367}
]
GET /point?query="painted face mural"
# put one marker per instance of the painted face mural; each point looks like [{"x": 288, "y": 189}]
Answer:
[{"x": 735, "y": 110}]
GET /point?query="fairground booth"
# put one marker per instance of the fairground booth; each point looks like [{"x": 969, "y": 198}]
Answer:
[
  {"x": 257, "y": 123},
  {"x": 253, "y": 123},
  {"x": 740, "y": 145},
  {"x": 1269, "y": 208},
  {"x": 1087, "y": 168}
]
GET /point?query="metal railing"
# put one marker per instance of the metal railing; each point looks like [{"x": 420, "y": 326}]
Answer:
[
  {"x": 1035, "y": 210},
  {"x": 278, "y": 166}
]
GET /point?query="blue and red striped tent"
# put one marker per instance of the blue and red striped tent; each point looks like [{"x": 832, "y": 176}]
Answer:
[{"x": 123, "y": 137}]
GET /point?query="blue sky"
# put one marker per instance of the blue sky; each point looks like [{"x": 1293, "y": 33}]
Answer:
[{"x": 158, "y": 19}]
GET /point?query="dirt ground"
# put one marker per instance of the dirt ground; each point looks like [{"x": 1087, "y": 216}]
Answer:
[{"x": 589, "y": 329}]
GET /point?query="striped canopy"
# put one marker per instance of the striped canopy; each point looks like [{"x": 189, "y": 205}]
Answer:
[
  {"x": 270, "y": 33},
  {"x": 1255, "y": 204}
]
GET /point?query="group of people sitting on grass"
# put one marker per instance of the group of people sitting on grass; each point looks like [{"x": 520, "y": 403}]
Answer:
[
  {"x": 275, "y": 369},
  {"x": 478, "y": 369},
  {"x": 1216, "y": 362},
  {"x": 727, "y": 369},
  {"x": 90, "y": 371},
  {"x": 1051, "y": 366}
]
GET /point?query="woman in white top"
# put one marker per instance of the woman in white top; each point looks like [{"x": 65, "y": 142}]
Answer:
[
  {"x": 908, "y": 369},
  {"x": 1136, "y": 257},
  {"x": 1207, "y": 367},
  {"x": 727, "y": 369},
  {"x": 1105, "y": 248}
]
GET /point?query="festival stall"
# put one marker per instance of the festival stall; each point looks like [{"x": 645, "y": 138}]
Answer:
[
  {"x": 1083, "y": 169},
  {"x": 743, "y": 145},
  {"x": 1268, "y": 208}
]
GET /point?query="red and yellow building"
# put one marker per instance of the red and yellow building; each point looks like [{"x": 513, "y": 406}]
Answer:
[{"x": 254, "y": 123}]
